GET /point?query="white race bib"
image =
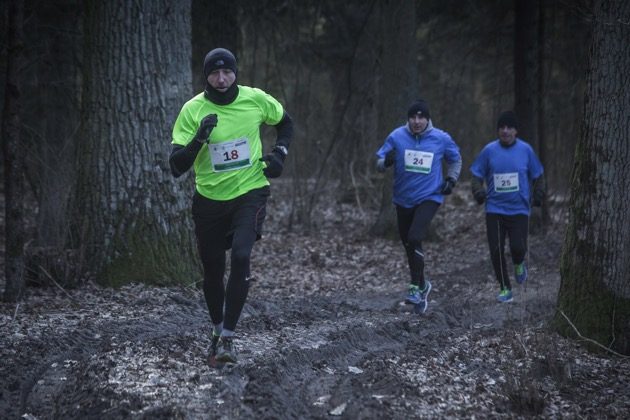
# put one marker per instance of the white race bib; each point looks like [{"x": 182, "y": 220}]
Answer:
[
  {"x": 230, "y": 155},
  {"x": 504, "y": 183},
  {"x": 418, "y": 161}
]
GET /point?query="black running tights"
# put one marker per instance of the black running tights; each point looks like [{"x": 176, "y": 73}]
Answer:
[
  {"x": 413, "y": 225},
  {"x": 516, "y": 227},
  {"x": 220, "y": 225}
]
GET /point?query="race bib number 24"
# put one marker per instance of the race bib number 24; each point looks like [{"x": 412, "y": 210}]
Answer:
[{"x": 418, "y": 161}]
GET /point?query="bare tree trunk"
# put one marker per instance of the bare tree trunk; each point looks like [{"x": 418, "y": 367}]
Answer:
[
  {"x": 595, "y": 268},
  {"x": 55, "y": 77},
  {"x": 527, "y": 80},
  {"x": 14, "y": 158},
  {"x": 526, "y": 68},
  {"x": 398, "y": 87},
  {"x": 540, "y": 102},
  {"x": 134, "y": 218},
  {"x": 51, "y": 165}
]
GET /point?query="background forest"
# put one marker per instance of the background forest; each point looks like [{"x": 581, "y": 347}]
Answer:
[
  {"x": 345, "y": 72},
  {"x": 90, "y": 93}
]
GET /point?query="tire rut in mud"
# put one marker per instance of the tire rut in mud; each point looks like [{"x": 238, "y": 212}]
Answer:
[
  {"x": 65, "y": 380},
  {"x": 348, "y": 353},
  {"x": 325, "y": 354},
  {"x": 322, "y": 350}
]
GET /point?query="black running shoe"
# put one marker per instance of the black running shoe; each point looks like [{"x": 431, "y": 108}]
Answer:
[
  {"x": 213, "y": 344},
  {"x": 226, "y": 352},
  {"x": 213, "y": 350}
]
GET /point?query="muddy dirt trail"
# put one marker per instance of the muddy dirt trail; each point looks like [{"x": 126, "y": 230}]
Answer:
[{"x": 324, "y": 334}]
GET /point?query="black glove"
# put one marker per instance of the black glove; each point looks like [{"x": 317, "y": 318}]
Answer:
[
  {"x": 539, "y": 191},
  {"x": 205, "y": 128},
  {"x": 275, "y": 164},
  {"x": 447, "y": 186},
  {"x": 480, "y": 196},
  {"x": 538, "y": 198},
  {"x": 390, "y": 157}
]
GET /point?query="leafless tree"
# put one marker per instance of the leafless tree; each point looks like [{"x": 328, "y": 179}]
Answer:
[{"x": 14, "y": 157}]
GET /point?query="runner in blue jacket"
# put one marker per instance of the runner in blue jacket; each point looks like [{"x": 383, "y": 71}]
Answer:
[
  {"x": 416, "y": 150},
  {"x": 507, "y": 165}
]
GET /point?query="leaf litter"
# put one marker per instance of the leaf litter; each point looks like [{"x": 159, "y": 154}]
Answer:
[{"x": 324, "y": 333}]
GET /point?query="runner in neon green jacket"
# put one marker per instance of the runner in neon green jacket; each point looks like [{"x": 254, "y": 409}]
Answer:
[{"x": 217, "y": 133}]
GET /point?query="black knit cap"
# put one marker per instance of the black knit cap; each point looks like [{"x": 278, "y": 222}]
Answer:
[
  {"x": 507, "y": 118},
  {"x": 420, "y": 107},
  {"x": 219, "y": 58}
]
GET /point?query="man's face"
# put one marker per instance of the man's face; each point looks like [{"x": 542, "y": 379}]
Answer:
[
  {"x": 507, "y": 135},
  {"x": 417, "y": 123},
  {"x": 221, "y": 79}
]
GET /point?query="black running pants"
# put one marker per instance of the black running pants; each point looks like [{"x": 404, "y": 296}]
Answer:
[
  {"x": 515, "y": 227},
  {"x": 413, "y": 225},
  {"x": 221, "y": 225}
]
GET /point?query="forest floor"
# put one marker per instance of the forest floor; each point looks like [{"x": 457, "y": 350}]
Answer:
[{"x": 324, "y": 334}]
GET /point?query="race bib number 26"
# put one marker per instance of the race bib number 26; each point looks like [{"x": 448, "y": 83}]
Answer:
[{"x": 230, "y": 155}]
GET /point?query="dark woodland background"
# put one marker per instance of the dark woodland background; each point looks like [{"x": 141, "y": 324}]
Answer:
[
  {"x": 345, "y": 72},
  {"x": 99, "y": 86}
]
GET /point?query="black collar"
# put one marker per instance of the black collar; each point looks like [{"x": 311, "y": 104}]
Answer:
[{"x": 221, "y": 98}]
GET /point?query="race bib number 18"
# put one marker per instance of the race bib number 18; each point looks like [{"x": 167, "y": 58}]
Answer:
[
  {"x": 504, "y": 183},
  {"x": 230, "y": 155}
]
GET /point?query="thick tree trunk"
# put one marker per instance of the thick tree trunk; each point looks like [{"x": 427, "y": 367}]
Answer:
[
  {"x": 397, "y": 88},
  {"x": 595, "y": 269},
  {"x": 134, "y": 218},
  {"x": 13, "y": 153}
]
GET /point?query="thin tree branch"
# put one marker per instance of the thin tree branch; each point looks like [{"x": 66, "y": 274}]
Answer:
[
  {"x": 623, "y": 356},
  {"x": 55, "y": 282}
]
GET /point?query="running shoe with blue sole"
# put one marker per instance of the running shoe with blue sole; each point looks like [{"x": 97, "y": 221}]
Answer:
[
  {"x": 520, "y": 272},
  {"x": 413, "y": 296},
  {"x": 423, "y": 301},
  {"x": 505, "y": 296}
]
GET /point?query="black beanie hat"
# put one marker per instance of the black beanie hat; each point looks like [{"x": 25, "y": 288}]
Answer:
[
  {"x": 507, "y": 118},
  {"x": 219, "y": 58},
  {"x": 419, "y": 106}
]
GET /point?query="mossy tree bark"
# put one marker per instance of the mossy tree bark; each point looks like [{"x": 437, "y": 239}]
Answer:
[
  {"x": 133, "y": 221},
  {"x": 595, "y": 268}
]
